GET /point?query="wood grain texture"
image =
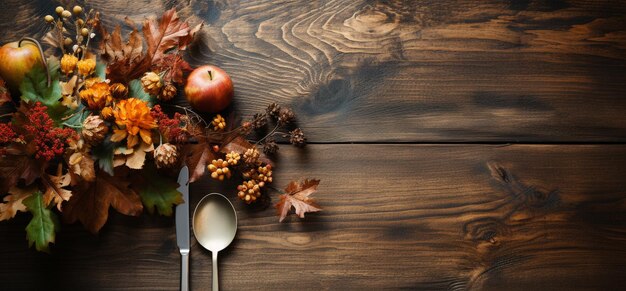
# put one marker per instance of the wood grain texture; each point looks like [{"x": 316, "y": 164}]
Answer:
[
  {"x": 423, "y": 71},
  {"x": 408, "y": 217}
]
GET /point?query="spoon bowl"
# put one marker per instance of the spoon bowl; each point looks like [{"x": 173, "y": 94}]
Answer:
[{"x": 214, "y": 226}]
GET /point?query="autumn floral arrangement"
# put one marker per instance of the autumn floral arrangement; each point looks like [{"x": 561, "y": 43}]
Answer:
[{"x": 97, "y": 125}]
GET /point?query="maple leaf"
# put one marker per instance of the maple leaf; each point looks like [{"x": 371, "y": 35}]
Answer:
[
  {"x": 125, "y": 61},
  {"x": 16, "y": 167},
  {"x": 157, "y": 191},
  {"x": 5, "y": 96},
  {"x": 14, "y": 202},
  {"x": 42, "y": 227},
  {"x": 91, "y": 201},
  {"x": 54, "y": 187},
  {"x": 166, "y": 34},
  {"x": 197, "y": 157},
  {"x": 297, "y": 195}
]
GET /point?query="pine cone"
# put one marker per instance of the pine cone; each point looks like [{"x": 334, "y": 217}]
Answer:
[
  {"x": 286, "y": 116},
  {"x": 118, "y": 91},
  {"x": 151, "y": 83},
  {"x": 270, "y": 147},
  {"x": 273, "y": 110},
  {"x": 296, "y": 137},
  {"x": 258, "y": 121},
  {"x": 165, "y": 155},
  {"x": 168, "y": 92},
  {"x": 94, "y": 130}
]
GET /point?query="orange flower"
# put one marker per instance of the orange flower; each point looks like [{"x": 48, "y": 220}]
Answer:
[
  {"x": 97, "y": 96},
  {"x": 86, "y": 66},
  {"x": 134, "y": 120}
]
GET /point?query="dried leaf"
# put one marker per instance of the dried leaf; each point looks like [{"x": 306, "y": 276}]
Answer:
[
  {"x": 125, "y": 61},
  {"x": 297, "y": 195},
  {"x": 42, "y": 227},
  {"x": 198, "y": 155},
  {"x": 5, "y": 96},
  {"x": 14, "y": 202},
  {"x": 54, "y": 188},
  {"x": 91, "y": 201},
  {"x": 132, "y": 158},
  {"x": 13, "y": 168},
  {"x": 168, "y": 33}
]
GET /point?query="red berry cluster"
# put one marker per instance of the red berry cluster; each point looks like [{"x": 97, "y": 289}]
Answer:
[
  {"x": 7, "y": 135},
  {"x": 50, "y": 141},
  {"x": 170, "y": 128}
]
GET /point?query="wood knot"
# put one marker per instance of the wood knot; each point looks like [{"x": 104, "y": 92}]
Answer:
[
  {"x": 373, "y": 21},
  {"x": 486, "y": 230}
]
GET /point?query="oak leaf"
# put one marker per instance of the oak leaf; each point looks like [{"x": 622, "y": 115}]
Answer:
[
  {"x": 125, "y": 60},
  {"x": 54, "y": 188},
  {"x": 297, "y": 195},
  {"x": 14, "y": 202},
  {"x": 42, "y": 227},
  {"x": 91, "y": 201},
  {"x": 166, "y": 34}
]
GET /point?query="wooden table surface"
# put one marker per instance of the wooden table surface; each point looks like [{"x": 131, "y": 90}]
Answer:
[{"x": 461, "y": 144}]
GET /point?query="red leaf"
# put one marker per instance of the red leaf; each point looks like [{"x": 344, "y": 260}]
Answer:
[
  {"x": 125, "y": 61},
  {"x": 297, "y": 195}
]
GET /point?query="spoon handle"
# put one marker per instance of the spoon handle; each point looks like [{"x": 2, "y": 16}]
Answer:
[{"x": 215, "y": 281}]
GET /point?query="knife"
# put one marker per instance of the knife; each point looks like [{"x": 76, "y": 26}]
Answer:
[{"x": 182, "y": 227}]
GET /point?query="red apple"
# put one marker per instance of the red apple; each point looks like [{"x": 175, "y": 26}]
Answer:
[
  {"x": 16, "y": 60},
  {"x": 209, "y": 89}
]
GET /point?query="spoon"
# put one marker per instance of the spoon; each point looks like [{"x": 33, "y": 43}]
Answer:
[{"x": 214, "y": 226}]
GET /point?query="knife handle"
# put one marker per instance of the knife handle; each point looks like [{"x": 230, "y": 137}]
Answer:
[{"x": 184, "y": 272}]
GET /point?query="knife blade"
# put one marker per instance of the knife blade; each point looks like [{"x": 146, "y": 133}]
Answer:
[{"x": 182, "y": 227}]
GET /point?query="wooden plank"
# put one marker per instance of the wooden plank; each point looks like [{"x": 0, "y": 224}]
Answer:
[
  {"x": 395, "y": 216},
  {"x": 425, "y": 71}
]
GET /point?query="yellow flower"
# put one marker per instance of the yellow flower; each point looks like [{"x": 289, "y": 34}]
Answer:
[
  {"x": 86, "y": 66},
  {"x": 134, "y": 120},
  {"x": 107, "y": 113},
  {"x": 68, "y": 64},
  {"x": 97, "y": 96}
]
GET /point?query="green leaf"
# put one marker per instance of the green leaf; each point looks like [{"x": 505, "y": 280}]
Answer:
[
  {"x": 157, "y": 192},
  {"x": 136, "y": 91},
  {"x": 34, "y": 88},
  {"x": 101, "y": 71},
  {"x": 76, "y": 117},
  {"x": 41, "y": 229},
  {"x": 103, "y": 154}
]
